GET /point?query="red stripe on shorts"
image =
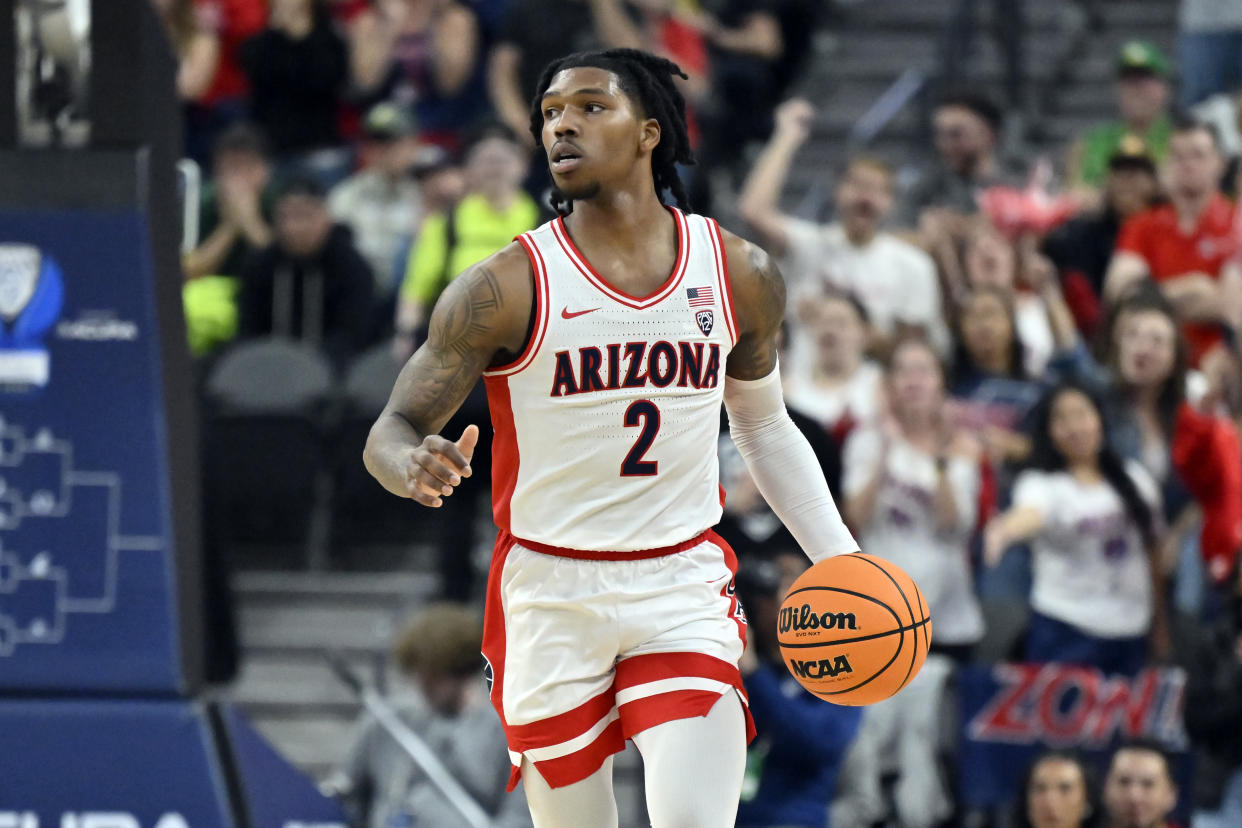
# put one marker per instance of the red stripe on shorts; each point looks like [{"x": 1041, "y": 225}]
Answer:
[
  {"x": 563, "y": 726},
  {"x": 576, "y": 766},
  {"x": 640, "y": 714},
  {"x": 641, "y": 669},
  {"x": 494, "y": 631}
]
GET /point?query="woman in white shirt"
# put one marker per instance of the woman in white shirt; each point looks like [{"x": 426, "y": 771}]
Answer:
[
  {"x": 840, "y": 388},
  {"x": 1091, "y": 521},
  {"x": 911, "y": 487}
]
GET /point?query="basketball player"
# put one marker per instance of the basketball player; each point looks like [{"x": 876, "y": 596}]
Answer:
[{"x": 608, "y": 339}]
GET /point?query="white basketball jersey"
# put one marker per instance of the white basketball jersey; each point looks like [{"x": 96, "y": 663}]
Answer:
[{"x": 606, "y": 425}]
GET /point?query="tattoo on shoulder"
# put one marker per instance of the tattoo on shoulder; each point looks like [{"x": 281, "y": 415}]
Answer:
[
  {"x": 465, "y": 318},
  {"x": 771, "y": 284}
]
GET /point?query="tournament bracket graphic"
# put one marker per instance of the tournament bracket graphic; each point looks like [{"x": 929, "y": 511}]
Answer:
[{"x": 88, "y": 597}]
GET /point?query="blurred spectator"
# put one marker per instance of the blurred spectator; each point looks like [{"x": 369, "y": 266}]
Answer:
[
  {"x": 438, "y": 653},
  {"x": 426, "y": 55},
  {"x": 534, "y": 33},
  {"x": 1212, "y": 657},
  {"x": 793, "y": 764},
  {"x": 1090, "y": 520},
  {"x": 840, "y": 389},
  {"x": 895, "y": 281},
  {"x": 494, "y": 210},
  {"x": 1008, "y": 21},
  {"x": 991, "y": 386},
  {"x": 944, "y": 199},
  {"x": 992, "y": 261},
  {"x": 911, "y": 487},
  {"x": 310, "y": 284},
  {"x": 1058, "y": 791},
  {"x": 1142, "y": 101},
  {"x": 236, "y": 207},
  {"x": 197, "y": 47},
  {"x": 380, "y": 203},
  {"x": 297, "y": 68},
  {"x": 1188, "y": 452},
  {"x": 224, "y": 103},
  {"x": 965, "y": 128},
  {"x": 1082, "y": 247},
  {"x": 653, "y": 25},
  {"x": 1139, "y": 791},
  {"x": 1209, "y": 48},
  {"x": 1184, "y": 244}
]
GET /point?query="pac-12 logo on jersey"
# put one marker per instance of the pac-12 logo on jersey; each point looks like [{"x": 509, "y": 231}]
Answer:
[{"x": 705, "y": 318}]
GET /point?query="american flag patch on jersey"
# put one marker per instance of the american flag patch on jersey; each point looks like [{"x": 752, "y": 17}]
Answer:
[{"x": 700, "y": 297}]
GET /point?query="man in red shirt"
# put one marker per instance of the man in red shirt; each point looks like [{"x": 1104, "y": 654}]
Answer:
[{"x": 1183, "y": 245}]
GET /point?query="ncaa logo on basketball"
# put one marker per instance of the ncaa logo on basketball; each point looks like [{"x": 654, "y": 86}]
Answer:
[
  {"x": 821, "y": 667},
  {"x": 799, "y": 619},
  {"x": 705, "y": 318}
]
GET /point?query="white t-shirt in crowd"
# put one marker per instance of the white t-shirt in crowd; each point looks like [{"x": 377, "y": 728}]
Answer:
[
  {"x": 894, "y": 280},
  {"x": 1034, "y": 332},
  {"x": 856, "y": 400},
  {"x": 1089, "y": 562},
  {"x": 903, "y": 527}
]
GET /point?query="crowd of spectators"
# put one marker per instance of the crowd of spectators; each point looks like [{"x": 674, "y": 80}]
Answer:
[{"x": 1027, "y": 396}]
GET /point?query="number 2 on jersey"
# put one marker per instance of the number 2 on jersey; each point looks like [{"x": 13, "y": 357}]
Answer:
[{"x": 634, "y": 465}]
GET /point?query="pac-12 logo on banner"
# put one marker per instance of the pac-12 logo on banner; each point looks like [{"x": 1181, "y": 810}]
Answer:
[{"x": 31, "y": 294}]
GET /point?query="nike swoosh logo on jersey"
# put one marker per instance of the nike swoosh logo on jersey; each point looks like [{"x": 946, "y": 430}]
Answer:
[{"x": 567, "y": 314}]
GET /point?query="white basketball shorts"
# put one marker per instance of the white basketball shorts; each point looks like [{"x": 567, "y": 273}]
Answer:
[{"x": 586, "y": 649}]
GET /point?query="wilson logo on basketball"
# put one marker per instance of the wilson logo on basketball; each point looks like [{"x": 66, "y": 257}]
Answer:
[
  {"x": 797, "y": 619},
  {"x": 820, "y": 668}
]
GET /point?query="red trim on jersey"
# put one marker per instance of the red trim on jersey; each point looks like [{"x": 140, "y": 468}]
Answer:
[
  {"x": 576, "y": 766},
  {"x": 505, "y": 457},
  {"x": 616, "y": 294},
  {"x": 722, "y": 273},
  {"x": 494, "y": 640},
  {"x": 540, "y": 297},
  {"x": 563, "y": 726},
  {"x": 601, "y": 555}
]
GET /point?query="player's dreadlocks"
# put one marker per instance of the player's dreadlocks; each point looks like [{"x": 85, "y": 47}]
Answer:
[{"x": 648, "y": 80}]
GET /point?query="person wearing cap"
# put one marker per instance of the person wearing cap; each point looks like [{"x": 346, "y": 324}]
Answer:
[
  {"x": 1184, "y": 245},
  {"x": 1082, "y": 247},
  {"x": 380, "y": 202},
  {"x": 1142, "y": 101}
]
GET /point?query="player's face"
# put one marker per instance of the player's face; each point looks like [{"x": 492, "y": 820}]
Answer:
[
  {"x": 864, "y": 197},
  {"x": 592, "y": 133},
  {"x": 1195, "y": 165},
  {"x": 1138, "y": 792},
  {"x": 1075, "y": 427},
  {"x": 917, "y": 384},
  {"x": 1146, "y": 348},
  {"x": 1057, "y": 795},
  {"x": 986, "y": 327}
]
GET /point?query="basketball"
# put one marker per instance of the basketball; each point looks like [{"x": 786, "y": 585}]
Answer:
[{"x": 854, "y": 629}]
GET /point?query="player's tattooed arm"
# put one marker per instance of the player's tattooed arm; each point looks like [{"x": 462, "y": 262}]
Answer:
[
  {"x": 758, "y": 306},
  {"x": 480, "y": 319}
]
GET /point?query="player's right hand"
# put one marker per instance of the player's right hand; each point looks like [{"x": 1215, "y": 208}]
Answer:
[{"x": 437, "y": 465}]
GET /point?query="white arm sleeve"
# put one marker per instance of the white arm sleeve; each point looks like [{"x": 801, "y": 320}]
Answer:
[{"x": 784, "y": 467}]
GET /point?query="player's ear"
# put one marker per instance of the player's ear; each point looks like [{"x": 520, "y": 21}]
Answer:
[{"x": 649, "y": 136}]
